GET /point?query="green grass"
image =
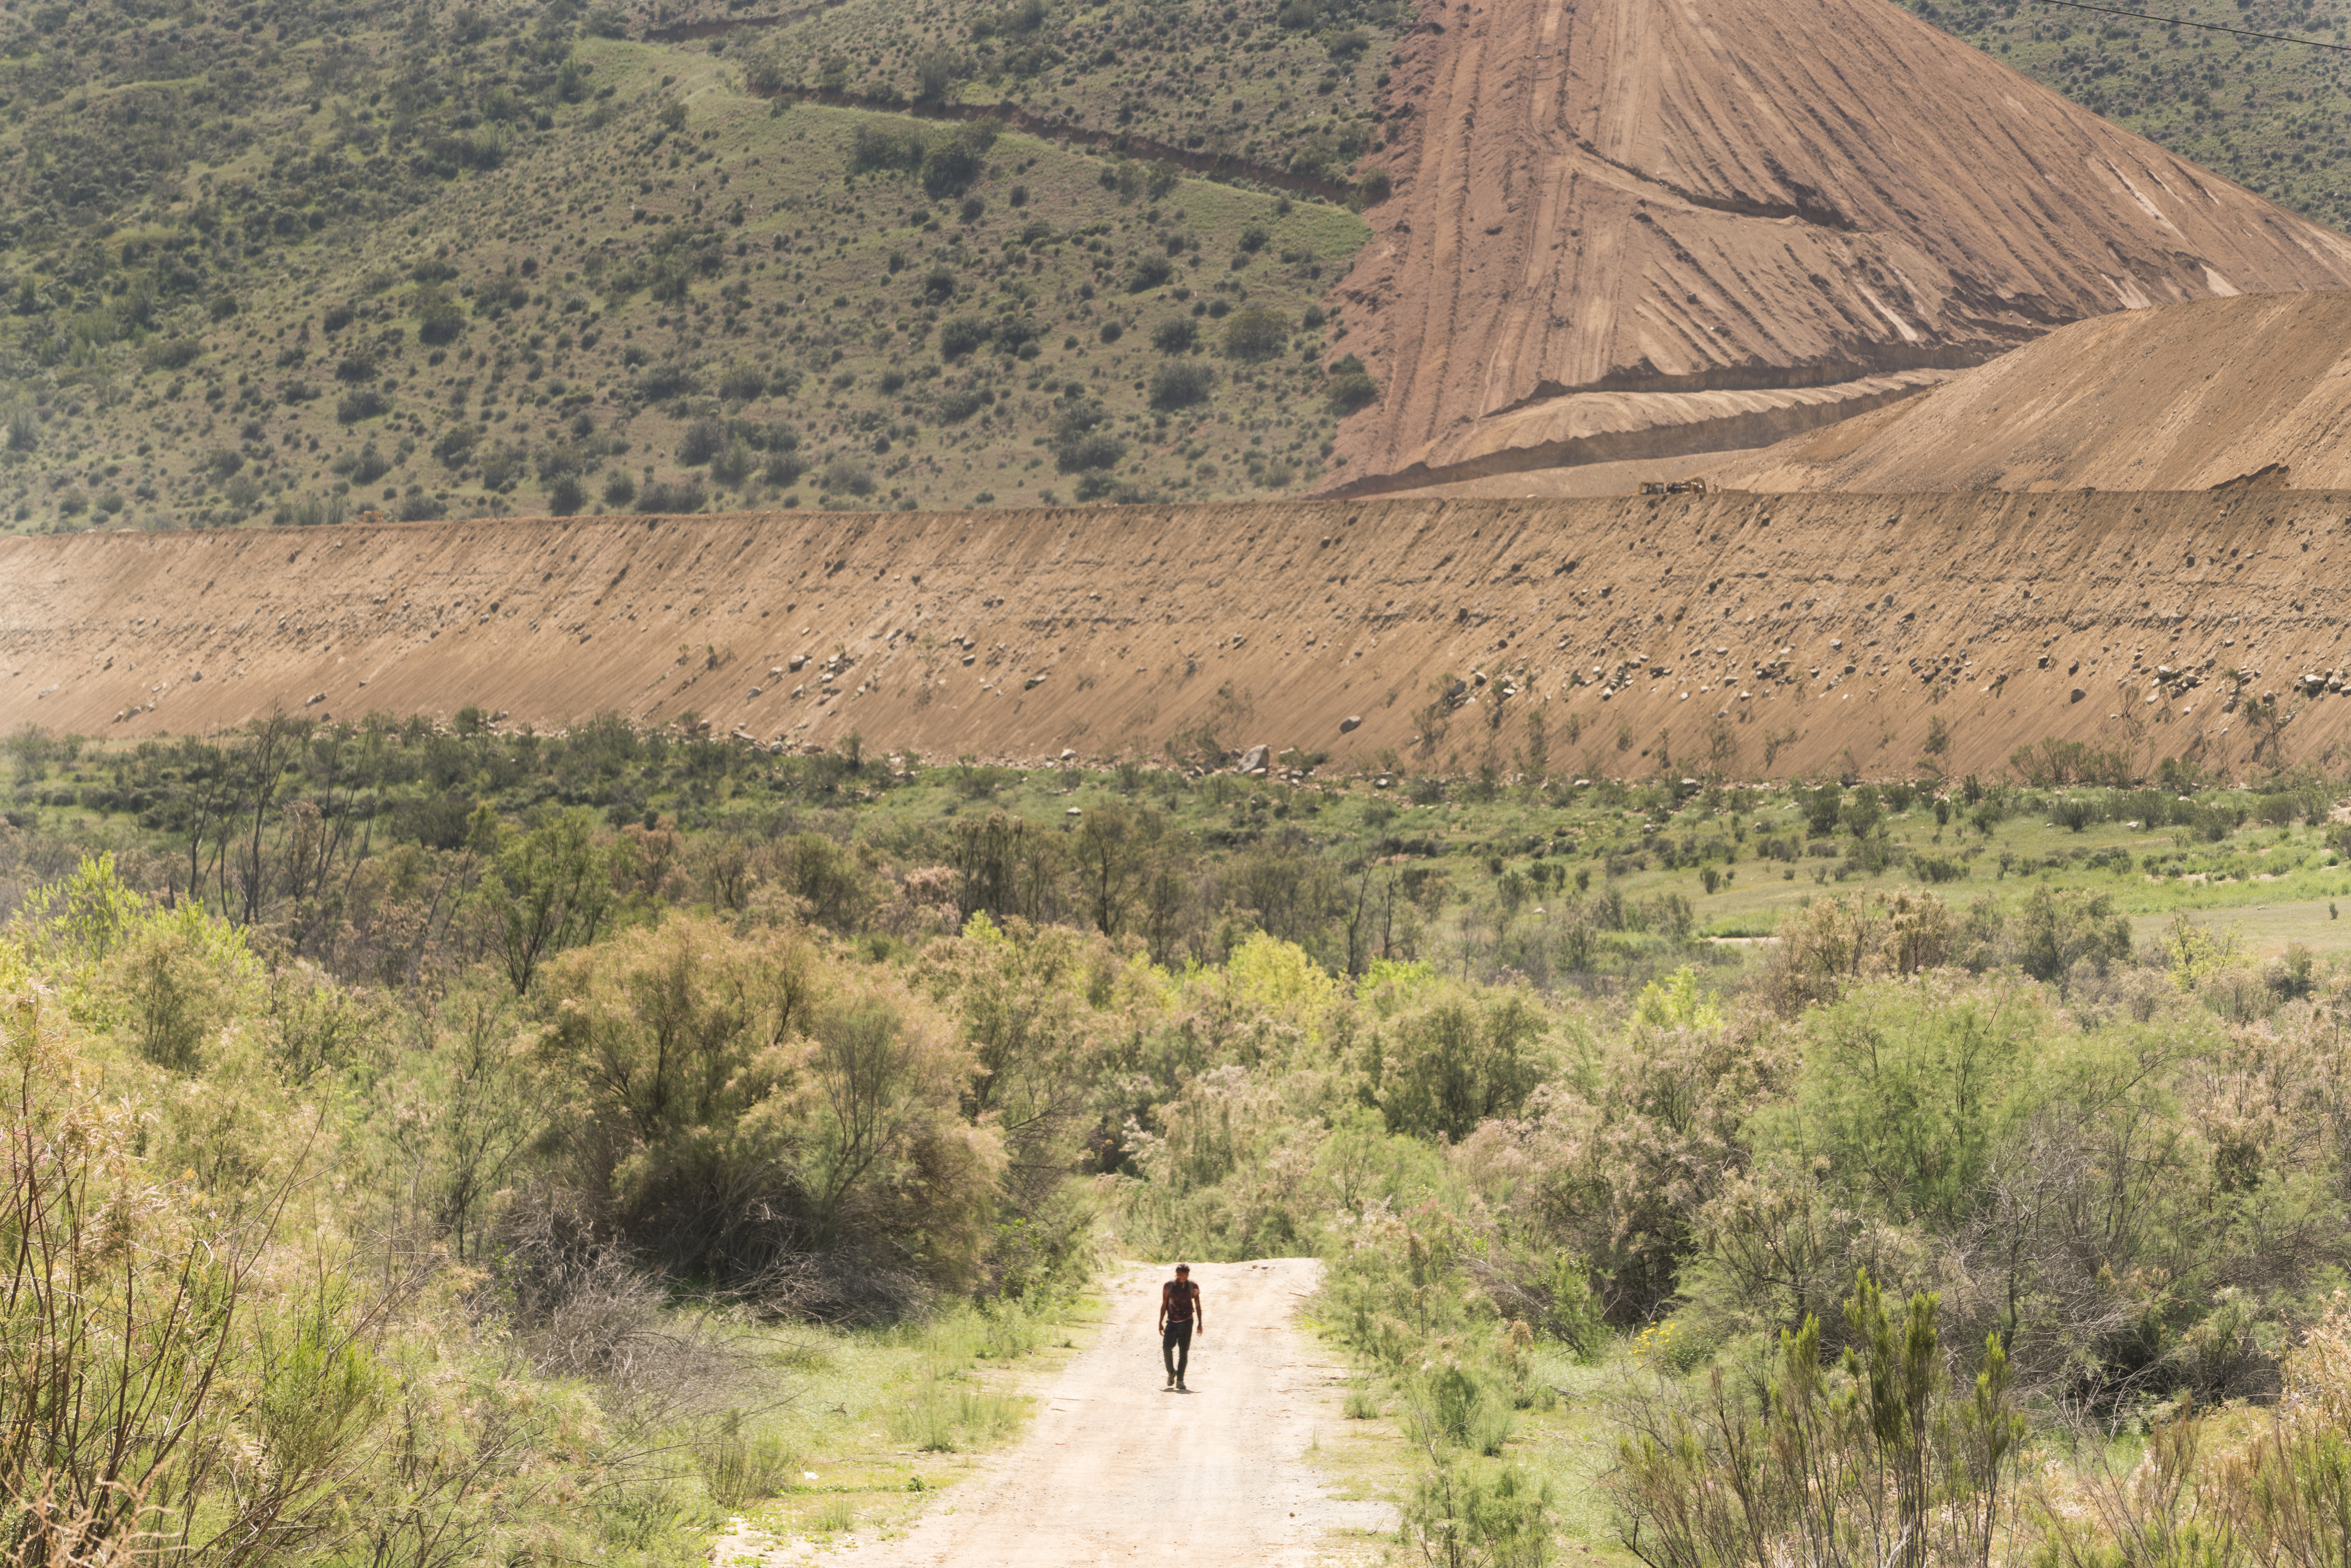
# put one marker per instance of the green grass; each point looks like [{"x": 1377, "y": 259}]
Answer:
[
  {"x": 1564, "y": 1434},
  {"x": 881, "y": 1423},
  {"x": 1274, "y": 82}
]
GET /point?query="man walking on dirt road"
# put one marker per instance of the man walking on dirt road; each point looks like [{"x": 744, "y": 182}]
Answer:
[{"x": 1179, "y": 1314}]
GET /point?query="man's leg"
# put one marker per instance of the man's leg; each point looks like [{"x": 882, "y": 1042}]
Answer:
[
  {"x": 1168, "y": 1351},
  {"x": 1183, "y": 1336}
]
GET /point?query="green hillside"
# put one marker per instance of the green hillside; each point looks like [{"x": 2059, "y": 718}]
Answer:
[
  {"x": 281, "y": 261},
  {"x": 449, "y": 265}
]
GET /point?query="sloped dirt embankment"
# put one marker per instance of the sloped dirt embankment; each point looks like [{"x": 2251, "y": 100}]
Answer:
[
  {"x": 1721, "y": 626},
  {"x": 2255, "y": 391}
]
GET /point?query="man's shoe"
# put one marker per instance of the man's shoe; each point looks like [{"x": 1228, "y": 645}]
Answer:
[
  {"x": 1171, "y": 1380},
  {"x": 1181, "y": 1389}
]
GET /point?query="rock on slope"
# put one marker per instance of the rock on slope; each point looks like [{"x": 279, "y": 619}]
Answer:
[
  {"x": 1629, "y": 228},
  {"x": 1747, "y": 633},
  {"x": 2186, "y": 398}
]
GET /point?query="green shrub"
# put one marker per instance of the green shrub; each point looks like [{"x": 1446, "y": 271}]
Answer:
[
  {"x": 960, "y": 335},
  {"x": 1347, "y": 394},
  {"x": 1182, "y": 384},
  {"x": 1256, "y": 333}
]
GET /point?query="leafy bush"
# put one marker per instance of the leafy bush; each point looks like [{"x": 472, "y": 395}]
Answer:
[
  {"x": 704, "y": 440},
  {"x": 663, "y": 497},
  {"x": 880, "y": 144},
  {"x": 735, "y": 464},
  {"x": 952, "y": 164},
  {"x": 1352, "y": 392},
  {"x": 1182, "y": 384},
  {"x": 1175, "y": 335},
  {"x": 363, "y": 404},
  {"x": 1256, "y": 333},
  {"x": 674, "y": 1042},
  {"x": 438, "y": 317},
  {"x": 845, "y": 475},
  {"x": 1080, "y": 446},
  {"x": 959, "y": 335}
]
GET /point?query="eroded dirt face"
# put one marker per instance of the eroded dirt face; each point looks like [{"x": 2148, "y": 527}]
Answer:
[
  {"x": 1765, "y": 214},
  {"x": 1720, "y": 627}
]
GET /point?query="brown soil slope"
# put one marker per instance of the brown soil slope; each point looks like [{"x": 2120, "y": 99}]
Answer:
[
  {"x": 1632, "y": 228},
  {"x": 1723, "y": 624},
  {"x": 2183, "y": 398}
]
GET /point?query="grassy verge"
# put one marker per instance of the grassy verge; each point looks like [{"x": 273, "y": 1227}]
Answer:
[
  {"x": 884, "y": 1425},
  {"x": 1562, "y": 1434}
]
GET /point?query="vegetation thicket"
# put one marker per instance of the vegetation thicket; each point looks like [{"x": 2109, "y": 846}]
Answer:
[{"x": 532, "y": 1140}]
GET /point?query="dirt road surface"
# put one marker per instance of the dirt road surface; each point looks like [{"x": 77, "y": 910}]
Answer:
[{"x": 1118, "y": 1469}]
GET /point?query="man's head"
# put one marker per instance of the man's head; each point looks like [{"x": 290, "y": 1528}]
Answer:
[{"x": 1183, "y": 1270}]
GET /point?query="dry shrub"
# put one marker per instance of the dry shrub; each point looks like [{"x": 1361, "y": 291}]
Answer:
[
  {"x": 2288, "y": 1494},
  {"x": 582, "y": 1308},
  {"x": 1614, "y": 1164},
  {"x": 1836, "y": 941}
]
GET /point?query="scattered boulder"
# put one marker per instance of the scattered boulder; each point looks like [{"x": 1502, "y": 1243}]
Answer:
[
  {"x": 2076, "y": 694},
  {"x": 1350, "y": 722},
  {"x": 1253, "y": 760}
]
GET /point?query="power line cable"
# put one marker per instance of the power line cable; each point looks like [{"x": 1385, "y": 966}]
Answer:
[{"x": 2206, "y": 27}]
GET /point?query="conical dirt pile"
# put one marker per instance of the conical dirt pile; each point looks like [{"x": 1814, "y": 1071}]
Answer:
[
  {"x": 2253, "y": 392},
  {"x": 1635, "y": 228}
]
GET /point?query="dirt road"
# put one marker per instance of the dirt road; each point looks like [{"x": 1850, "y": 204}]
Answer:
[{"x": 1118, "y": 1469}]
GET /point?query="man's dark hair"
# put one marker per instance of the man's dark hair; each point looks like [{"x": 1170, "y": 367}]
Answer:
[{"x": 1183, "y": 1268}]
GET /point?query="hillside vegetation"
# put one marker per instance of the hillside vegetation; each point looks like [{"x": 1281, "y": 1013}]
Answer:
[
  {"x": 511, "y": 1148},
  {"x": 283, "y": 262},
  {"x": 488, "y": 261}
]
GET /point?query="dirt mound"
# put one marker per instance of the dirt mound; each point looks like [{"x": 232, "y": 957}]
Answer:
[
  {"x": 2253, "y": 392},
  {"x": 1797, "y": 204},
  {"x": 1752, "y": 635}
]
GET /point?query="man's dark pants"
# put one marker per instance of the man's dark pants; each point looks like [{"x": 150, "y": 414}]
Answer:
[{"x": 1175, "y": 1346}]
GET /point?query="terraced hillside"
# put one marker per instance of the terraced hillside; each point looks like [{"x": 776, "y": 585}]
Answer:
[{"x": 1623, "y": 228}]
